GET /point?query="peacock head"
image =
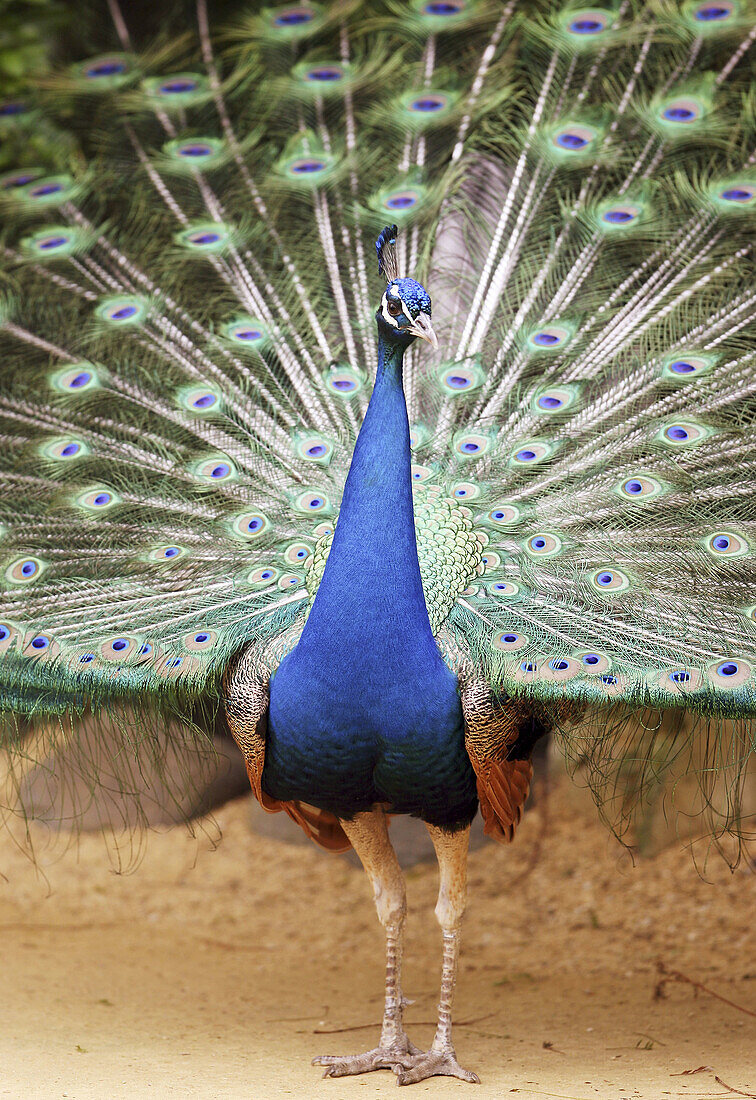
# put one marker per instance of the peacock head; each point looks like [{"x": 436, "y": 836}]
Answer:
[{"x": 405, "y": 310}]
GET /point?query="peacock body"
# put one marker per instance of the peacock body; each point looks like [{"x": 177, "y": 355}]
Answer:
[{"x": 544, "y": 514}]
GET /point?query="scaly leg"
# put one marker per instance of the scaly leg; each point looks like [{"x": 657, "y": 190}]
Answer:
[
  {"x": 368, "y": 833},
  {"x": 440, "y": 1060}
]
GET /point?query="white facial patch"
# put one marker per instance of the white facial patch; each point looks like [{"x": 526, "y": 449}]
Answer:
[{"x": 394, "y": 321}]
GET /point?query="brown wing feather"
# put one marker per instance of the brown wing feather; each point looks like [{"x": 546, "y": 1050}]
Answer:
[
  {"x": 491, "y": 728},
  {"x": 246, "y": 701}
]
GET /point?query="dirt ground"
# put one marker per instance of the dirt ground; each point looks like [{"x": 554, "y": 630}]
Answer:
[{"x": 217, "y": 970}]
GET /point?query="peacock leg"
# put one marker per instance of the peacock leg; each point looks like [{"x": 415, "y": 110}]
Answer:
[
  {"x": 440, "y": 1060},
  {"x": 368, "y": 833}
]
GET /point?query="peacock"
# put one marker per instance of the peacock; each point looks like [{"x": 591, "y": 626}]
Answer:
[{"x": 396, "y": 524}]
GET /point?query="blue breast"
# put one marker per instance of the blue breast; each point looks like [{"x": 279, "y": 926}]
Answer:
[{"x": 364, "y": 710}]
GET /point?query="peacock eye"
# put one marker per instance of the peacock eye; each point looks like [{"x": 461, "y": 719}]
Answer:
[{"x": 394, "y": 308}]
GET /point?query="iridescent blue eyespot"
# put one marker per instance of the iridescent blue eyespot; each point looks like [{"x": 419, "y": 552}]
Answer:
[
  {"x": 45, "y": 189},
  {"x": 4, "y": 632},
  {"x": 681, "y": 367},
  {"x": 679, "y": 114},
  {"x": 29, "y": 568},
  {"x": 40, "y": 642},
  {"x": 509, "y": 638},
  {"x": 307, "y": 166},
  {"x": 203, "y": 238},
  {"x": 586, "y": 26},
  {"x": 721, "y": 542},
  {"x": 105, "y": 68},
  {"x": 86, "y": 658},
  {"x": 316, "y": 450},
  {"x": 202, "y": 637},
  {"x": 293, "y": 18},
  {"x": 677, "y": 433},
  {"x": 545, "y": 339},
  {"x": 255, "y": 524},
  {"x": 18, "y": 179},
  {"x": 343, "y": 384},
  {"x": 525, "y": 456},
  {"x": 144, "y": 650},
  {"x": 325, "y": 74},
  {"x": 428, "y": 103},
  {"x": 12, "y": 108},
  {"x": 568, "y": 140},
  {"x": 728, "y": 668},
  {"x": 221, "y": 470},
  {"x": 457, "y": 381},
  {"x": 80, "y": 380},
  {"x": 604, "y": 578},
  {"x": 470, "y": 448},
  {"x": 177, "y": 87},
  {"x": 205, "y": 401},
  {"x": 101, "y": 500},
  {"x": 591, "y": 659},
  {"x": 248, "y": 334},
  {"x": 401, "y": 202},
  {"x": 528, "y": 666},
  {"x": 679, "y": 677},
  {"x": 711, "y": 13},
  {"x": 440, "y": 8},
  {"x": 195, "y": 149},
  {"x": 547, "y": 402},
  {"x": 120, "y": 644},
  {"x": 538, "y": 543},
  {"x": 559, "y": 664},
  {"x": 618, "y": 217},
  {"x": 608, "y": 679},
  {"x": 633, "y": 487},
  {"x": 70, "y": 450},
  {"x": 738, "y": 194},
  {"x": 123, "y": 313},
  {"x": 171, "y": 552}
]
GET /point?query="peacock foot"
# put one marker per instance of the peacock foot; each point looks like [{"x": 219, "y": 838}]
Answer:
[
  {"x": 398, "y": 1055},
  {"x": 433, "y": 1063}
]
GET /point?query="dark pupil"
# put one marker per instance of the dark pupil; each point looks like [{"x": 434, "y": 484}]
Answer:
[{"x": 394, "y": 309}]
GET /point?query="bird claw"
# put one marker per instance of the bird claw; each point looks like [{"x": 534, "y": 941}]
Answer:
[
  {"x": 399, "y": 1055},
  {"x": 433, "y": 1063}
]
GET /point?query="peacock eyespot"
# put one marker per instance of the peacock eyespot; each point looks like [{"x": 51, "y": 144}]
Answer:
[
  {"x": 588, "y": 23},
  {"x": 24, "y": 570},
  {"x": 610, "y": 581},
  {"x": 730, "y": 673},
  {"x": 401, "y": 201},
  {"x": 444, "y": 7},
  {"x": 510, "y": 640},
  {"x": 122, "y": 311},
  {"x": 713, "y": 13},
  {"x": 263, "y": 576},
  {"x": 682, "y": 111},
  {"x": 543, "y": 544},
  {"x": 216, "y": 469},
  {"x": 428, "y": 104},
  {"x": 251, "y": 525},
  {"x": 680, "y": 676},
  {"x": 307, "y": 166},
  {"x": 504, "y": 514},
  {"x": 86, "y": 658},
  {"x": 177, "y": 87},
  {"x": 12, "y": 108},
  {"x": 738, "y": 194},
  {"x": 591, "y": 659},
  {"x": 293, "y": 17},
  {"x": 105, "y": 68},
  {"x": 727, "y": 544},
  {"x": 325, "y": 74},
  {"x": 97, "y": 500}
]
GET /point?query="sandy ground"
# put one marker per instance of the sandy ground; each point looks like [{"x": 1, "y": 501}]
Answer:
[{"x": 218, "y": 971}]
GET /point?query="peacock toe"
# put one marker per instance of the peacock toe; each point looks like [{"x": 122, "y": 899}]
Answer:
[
  {"x": 433, "y": 1063},
  {"x": 397, "y": 1056}
]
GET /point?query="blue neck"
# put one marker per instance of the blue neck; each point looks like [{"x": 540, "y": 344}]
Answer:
[{"x": 370, "y": 609}]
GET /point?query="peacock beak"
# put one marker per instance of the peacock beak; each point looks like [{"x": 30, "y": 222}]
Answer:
[{"x": 423, "y": 328}]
